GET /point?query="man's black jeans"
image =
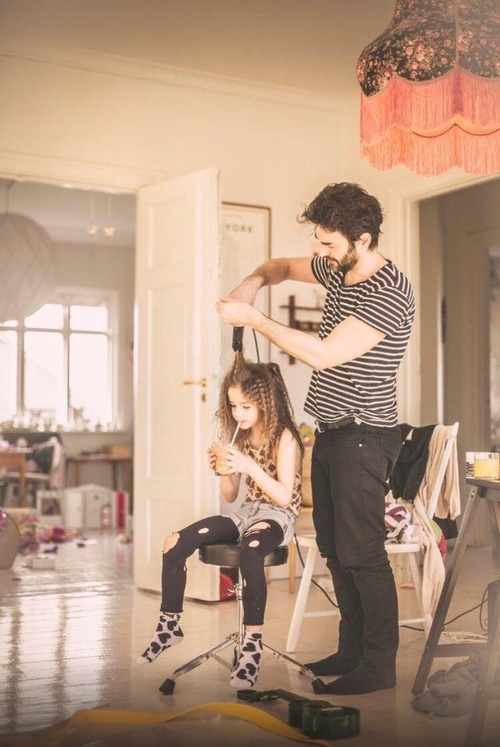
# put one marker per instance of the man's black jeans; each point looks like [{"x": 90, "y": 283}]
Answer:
[{"x": 350, "y": 470}]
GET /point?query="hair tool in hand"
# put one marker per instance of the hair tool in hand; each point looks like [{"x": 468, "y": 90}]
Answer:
[{"x": 238, "y": 339}]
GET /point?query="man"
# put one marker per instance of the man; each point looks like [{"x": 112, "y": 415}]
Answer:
[{"x": 366, "y": 323}]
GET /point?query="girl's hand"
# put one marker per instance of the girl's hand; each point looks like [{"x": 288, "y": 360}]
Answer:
[
  {"x": 211, "y": 457},
  {"x": 236, "y": 461}
]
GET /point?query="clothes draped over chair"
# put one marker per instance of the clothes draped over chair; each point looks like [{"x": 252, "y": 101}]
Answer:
[
  {"x": 409, "y": 470},
  {"x": 421, "y": 455}
]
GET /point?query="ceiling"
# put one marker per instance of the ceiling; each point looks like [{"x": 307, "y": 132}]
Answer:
[
  {"x": 306, "y": 44},
  {"x": 67, "y": 214},
  {"x": 311, "y": 45}
]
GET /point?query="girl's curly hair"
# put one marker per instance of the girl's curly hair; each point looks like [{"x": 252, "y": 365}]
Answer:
[{"x": 262, "y": 384}]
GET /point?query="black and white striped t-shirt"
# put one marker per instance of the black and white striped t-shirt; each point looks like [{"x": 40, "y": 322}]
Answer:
[{"x": 364, "y": 387}]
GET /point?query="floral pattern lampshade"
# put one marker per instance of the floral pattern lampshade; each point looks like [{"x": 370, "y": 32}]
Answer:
[{"x": 431, "y": 88}]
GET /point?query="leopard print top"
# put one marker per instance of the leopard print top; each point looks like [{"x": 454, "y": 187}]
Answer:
[{"x": 265, "y": 460}]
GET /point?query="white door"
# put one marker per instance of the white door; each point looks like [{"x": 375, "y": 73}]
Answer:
[{"x": 177, "y": 369}]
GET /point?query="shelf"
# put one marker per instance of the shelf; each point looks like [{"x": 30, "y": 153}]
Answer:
[
  {"x": 301, "y": 308},
  {"x": 304, "y": 325}
]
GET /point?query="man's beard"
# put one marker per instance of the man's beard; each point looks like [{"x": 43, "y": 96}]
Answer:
[{"x": 350, "y": 258}]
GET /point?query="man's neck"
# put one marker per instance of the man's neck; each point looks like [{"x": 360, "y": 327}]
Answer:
[{"x": 367, "y": 265}]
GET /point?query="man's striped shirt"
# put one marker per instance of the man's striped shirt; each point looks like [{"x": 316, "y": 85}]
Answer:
[{"x": 364, "y": 387}]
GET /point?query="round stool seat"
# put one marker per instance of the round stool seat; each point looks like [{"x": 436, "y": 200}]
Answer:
[{"x": 228, "y": 555}]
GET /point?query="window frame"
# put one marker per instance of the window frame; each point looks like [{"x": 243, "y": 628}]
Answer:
[{"x": 68, "y": 296}]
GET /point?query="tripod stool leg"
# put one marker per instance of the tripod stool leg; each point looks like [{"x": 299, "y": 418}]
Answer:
[
  {"x": 236, "y": 638},
  {"x": 167, "y": 687},
  {"x": 318, "y": 685}
]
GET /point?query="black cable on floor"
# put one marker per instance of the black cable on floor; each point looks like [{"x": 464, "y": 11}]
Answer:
[
  {"x": 480, "y": 606},
  {"x": 484, "y": 600}
]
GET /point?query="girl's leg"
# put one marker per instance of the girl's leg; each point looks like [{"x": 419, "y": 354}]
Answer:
[
  {"x": 176, "y": 549},
  {"x": 181, "y": 545},
  {"x": 259, "y": 540}
]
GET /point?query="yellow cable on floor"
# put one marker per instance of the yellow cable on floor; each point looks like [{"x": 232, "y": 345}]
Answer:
[{"x": 108, "y": 717}]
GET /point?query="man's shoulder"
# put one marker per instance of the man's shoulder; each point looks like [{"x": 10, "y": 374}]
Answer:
[
  {"x": 390, "y": 275},
  {"x": 391, "y": 272}
]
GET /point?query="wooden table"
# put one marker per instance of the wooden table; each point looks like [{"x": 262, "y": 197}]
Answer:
[
  {"x": 121, "y": 468},
  {"x": 489, "y": 491},
  {"x": 15, "y": 460}
]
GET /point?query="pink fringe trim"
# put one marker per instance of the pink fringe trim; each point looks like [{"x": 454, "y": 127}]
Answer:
[
  {"x": 431, "y": 156},
  {"x": 430, "y": 107}
]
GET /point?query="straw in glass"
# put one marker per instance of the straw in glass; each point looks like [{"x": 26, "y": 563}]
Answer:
[{"x": 234, "y": 435}]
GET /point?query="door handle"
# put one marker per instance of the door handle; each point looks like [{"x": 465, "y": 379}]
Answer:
[{"x": 195, "y": 382}]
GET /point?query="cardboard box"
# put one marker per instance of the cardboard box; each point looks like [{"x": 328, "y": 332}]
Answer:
[
  {"x": 123, "y": 451},
  {"x": 41, "y": 562}
]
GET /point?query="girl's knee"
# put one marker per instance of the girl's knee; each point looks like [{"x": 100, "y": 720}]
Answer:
[
  {"x": 170, "y": 541},
  {"x": 255, "y": 529}
]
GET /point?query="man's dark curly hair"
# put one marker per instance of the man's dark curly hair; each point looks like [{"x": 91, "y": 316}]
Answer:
[
  {"x": 262, "y": 384},
  {"x": 346, "y": 208}
]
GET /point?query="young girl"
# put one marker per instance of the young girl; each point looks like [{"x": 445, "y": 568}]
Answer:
[{"x": 268, "y": 449}]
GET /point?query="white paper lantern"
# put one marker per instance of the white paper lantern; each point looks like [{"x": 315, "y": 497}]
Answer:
[{"x": 27, "y": 266}]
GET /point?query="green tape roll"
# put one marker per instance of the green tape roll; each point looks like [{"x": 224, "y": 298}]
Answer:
[
  {"x": 331, "y": 722},
  {"x": 296, "y": 710}
]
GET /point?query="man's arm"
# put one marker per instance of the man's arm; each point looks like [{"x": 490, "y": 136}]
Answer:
[
  {"x": 273, "y": 272},
  {"x": 349, "y": 340}
]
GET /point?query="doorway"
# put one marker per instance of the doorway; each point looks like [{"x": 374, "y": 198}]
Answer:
[
  {"x": 93, "y": 235},
  {"x": 459, "y": 239}
]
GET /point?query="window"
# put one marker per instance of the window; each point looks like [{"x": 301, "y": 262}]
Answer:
[{"x": 57, "y": 365}]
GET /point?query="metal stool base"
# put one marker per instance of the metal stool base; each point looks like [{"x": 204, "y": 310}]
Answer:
[{"x": 235, "y": 639}]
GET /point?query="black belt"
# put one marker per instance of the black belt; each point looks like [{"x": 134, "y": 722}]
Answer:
[{"x": 323, "y": 427}]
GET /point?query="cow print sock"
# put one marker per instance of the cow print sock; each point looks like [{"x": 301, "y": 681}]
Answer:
[
  {"x": 167, "y": 634},
  {"x": 244, "y": 675}
]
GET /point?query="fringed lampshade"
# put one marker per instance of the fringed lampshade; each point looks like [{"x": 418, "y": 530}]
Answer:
[{"x": 431, "y": 88}]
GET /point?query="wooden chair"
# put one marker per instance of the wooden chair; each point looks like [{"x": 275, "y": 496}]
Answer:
[
  {"x": 304, "y": 522},
  {"x": 413, "y": 551},
  {"x": 49, "y": 455}
]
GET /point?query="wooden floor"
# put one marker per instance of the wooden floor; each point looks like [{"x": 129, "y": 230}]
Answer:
[{"x": 69, "y": 638}]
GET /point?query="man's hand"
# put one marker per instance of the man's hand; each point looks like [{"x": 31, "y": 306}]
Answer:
[{"x": 237, "y": 313}]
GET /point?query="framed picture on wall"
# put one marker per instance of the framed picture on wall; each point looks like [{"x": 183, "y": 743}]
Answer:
[{"x": 246, "y": 243}]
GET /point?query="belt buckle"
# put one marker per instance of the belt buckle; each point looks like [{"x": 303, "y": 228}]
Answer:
[{"x": 325, "y": 427}]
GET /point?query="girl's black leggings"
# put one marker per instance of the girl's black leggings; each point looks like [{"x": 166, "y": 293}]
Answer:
[{"x": 255, "y": 545}]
